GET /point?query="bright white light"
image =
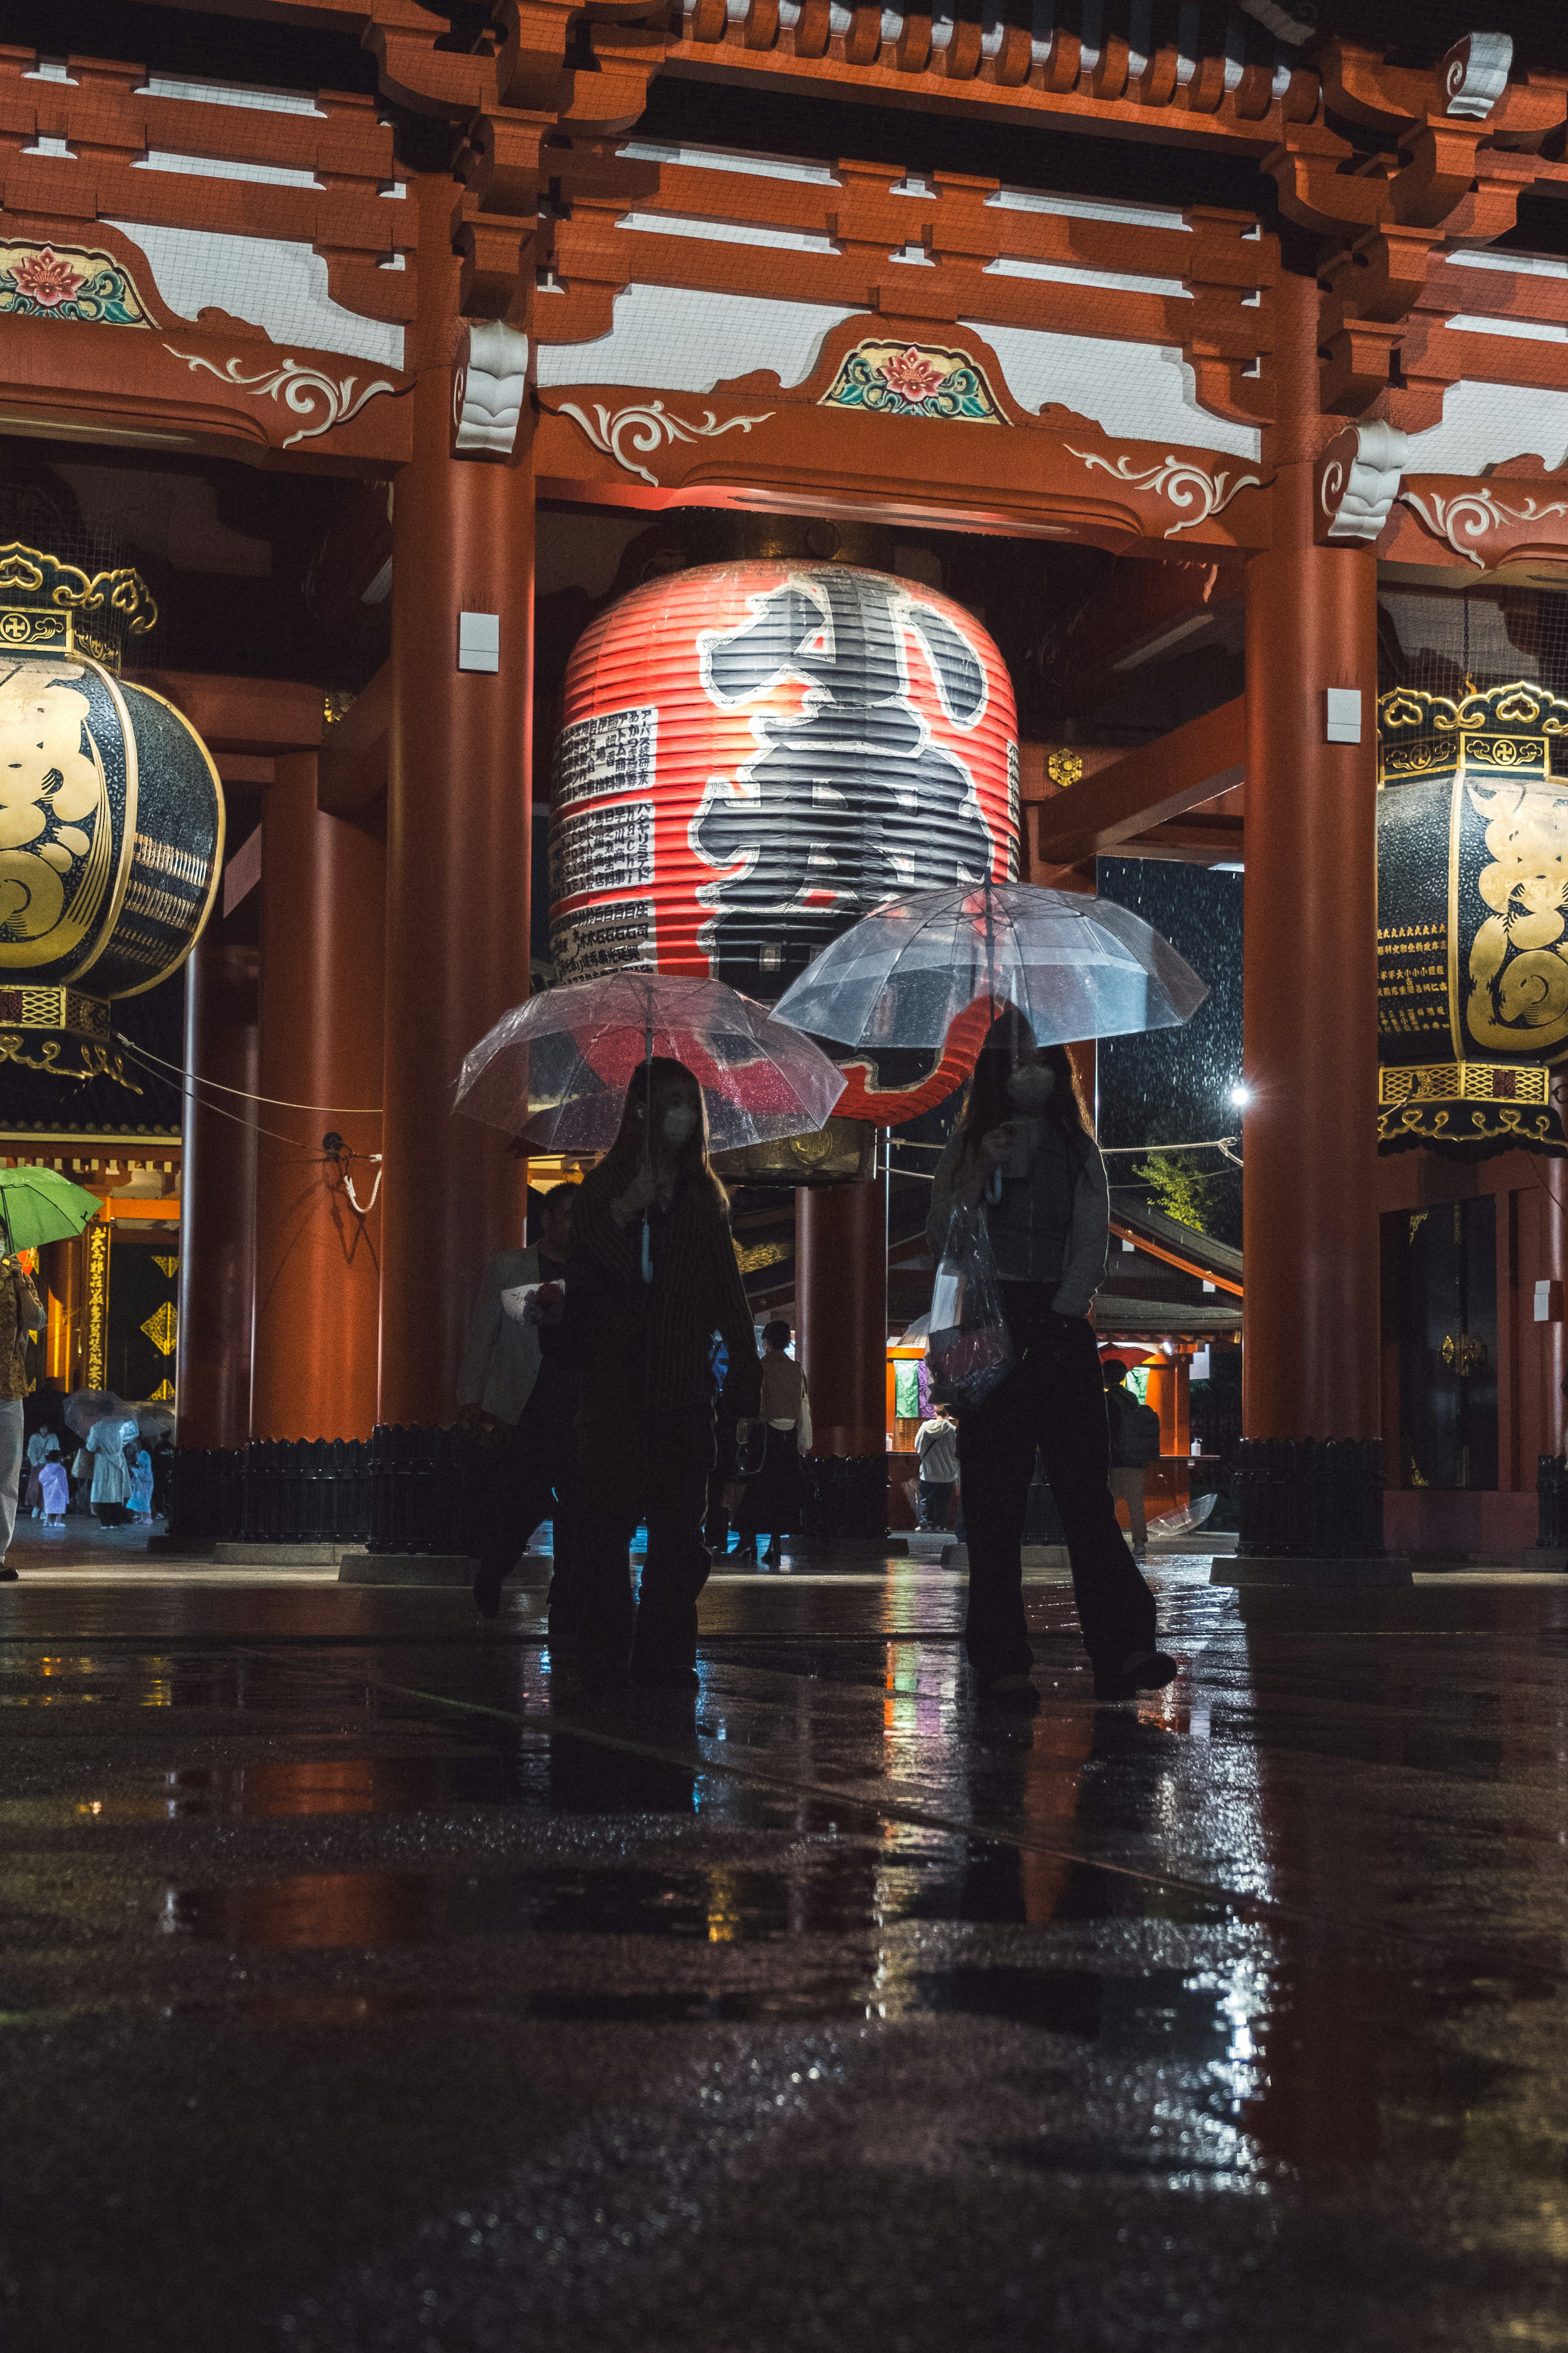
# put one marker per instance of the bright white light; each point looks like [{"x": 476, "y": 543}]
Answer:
[{"x": 1240, "y": 1095}]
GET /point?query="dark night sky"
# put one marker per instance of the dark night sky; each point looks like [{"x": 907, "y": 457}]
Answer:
[{"x": 1173, "y": 1084}]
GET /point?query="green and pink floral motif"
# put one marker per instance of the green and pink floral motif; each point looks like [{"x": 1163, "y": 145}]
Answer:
[
  {"x": 913, "y": 380},
  {"x": 39, "y": 281}
]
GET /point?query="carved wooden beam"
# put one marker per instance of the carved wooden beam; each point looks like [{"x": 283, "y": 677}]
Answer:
[{"x": 1148, "y": 787}]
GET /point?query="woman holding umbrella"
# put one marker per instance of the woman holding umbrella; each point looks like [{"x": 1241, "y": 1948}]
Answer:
[
  {"x": 653, "y": 1275},
  {"x": 1025, "y": 1148}
]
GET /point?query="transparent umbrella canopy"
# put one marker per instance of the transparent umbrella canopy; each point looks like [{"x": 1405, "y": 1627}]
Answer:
[
  {"x": 555, "y": 1069},
  {"x": 1075, "y": 967}
]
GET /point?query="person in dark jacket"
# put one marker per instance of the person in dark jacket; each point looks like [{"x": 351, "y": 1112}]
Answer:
[
  {"x": 1025, "y": 1147},
  {"x": 653, "y": 1276}
]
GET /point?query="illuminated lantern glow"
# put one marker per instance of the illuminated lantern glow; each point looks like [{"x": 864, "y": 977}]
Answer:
[{"x": 752, "y": 756}]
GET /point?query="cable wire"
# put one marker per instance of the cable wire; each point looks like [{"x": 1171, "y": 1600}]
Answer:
[
  {"x": 278, "y": 1103},
  {"x": 188, "y": 1088}
]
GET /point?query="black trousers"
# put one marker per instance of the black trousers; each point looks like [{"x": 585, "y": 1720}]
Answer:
[
  {"x": 662, "y": 1480},
  {"x": 1054, "y": 1399}
]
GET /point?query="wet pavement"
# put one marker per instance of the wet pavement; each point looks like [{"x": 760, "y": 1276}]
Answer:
[{"x": 361, "y": 1988}]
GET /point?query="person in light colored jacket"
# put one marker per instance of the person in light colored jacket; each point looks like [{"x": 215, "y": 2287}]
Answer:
[
  {"x": 1025, "y": 1151},
  {"x": 501, "y": 1360}
]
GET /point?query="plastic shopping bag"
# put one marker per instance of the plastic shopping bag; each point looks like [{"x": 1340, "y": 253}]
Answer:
[{"x": 969, "y": 1350}]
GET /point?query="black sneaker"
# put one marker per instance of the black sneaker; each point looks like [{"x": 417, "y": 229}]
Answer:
[
  {"x": 1014, "y": 1693},
  {"x": 1143, "y": 1671},
  {"x": 8, "y": 1576},
  {"x": 667, "y": 1679}
]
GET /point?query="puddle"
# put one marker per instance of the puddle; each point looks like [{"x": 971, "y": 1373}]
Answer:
[{"x": 384, "y": 1908}]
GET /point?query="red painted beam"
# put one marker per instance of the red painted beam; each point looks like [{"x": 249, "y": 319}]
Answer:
[
  {"x": 352, "y": 771},
  {"x": 1163, "y": 780},
  {"x": 241, "y": 714}
]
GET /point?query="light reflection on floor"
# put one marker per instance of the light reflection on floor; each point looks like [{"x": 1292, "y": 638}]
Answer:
[{"x": 823, "y": 2010}]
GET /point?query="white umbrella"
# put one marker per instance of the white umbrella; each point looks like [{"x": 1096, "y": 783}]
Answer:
[
  {"x": 555, "y": 1069},
  {"x": 1075, "y": 967}
]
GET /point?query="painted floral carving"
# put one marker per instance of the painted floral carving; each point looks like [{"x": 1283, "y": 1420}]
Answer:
[
  {"x": 912, "y": 380},
  {"x": 40, "y": 281},
  {"x": 44, "y": 279}
]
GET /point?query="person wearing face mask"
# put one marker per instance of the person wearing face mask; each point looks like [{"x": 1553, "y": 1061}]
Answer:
[
  {"x": 1025, "y": 1149},
  {"x": 653, "y": 1276}
]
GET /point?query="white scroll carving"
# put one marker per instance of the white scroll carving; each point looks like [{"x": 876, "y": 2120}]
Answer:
[
  {"x": 1358, "y": 488},
  {"x": 1179, "y": 480},
  {"x": 647, "y": 427},
  {"x": 305, "y": 390},
  {"x": 1475, "y": 73},
  {"x": 488, "y": 393}
]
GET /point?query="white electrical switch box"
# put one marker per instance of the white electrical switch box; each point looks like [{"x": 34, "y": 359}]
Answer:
[
  {"x": 478, "y": 641},
  {"x": 1342, "y": 724}
]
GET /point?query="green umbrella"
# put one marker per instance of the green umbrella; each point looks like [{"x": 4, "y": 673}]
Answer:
[{"x": 39, "y": 1205}]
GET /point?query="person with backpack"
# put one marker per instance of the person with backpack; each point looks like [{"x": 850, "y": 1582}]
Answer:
[
  {"x": 1134, "y": 1445},
  {"x": 1025, "y": 1151}
]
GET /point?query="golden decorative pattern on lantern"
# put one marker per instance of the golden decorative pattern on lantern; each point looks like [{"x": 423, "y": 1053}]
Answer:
[
  {"x": 899, "y": 379},
  {"x": 1472, "y": 840},
  {"x": 111, "y": 815},
  {"x": 57, "y": 607},
  {"x": 169, "y": 1266},
  {"x": 1464, "y": 1083},
  {"x": 755, "y": 754},
  {"x": 1065, "y": 768},
  {"x": 163, "y": 1328}
]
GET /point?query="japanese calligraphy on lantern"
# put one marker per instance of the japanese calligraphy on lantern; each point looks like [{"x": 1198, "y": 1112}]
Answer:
[
  {"x": 602, "y": 849},
  {"x": 611, "y": 753},
  {"x": 810, "y": 739}
]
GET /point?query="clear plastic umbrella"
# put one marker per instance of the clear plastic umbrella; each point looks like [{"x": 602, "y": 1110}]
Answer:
[
  {"x": 555, "y": 1069},
  {"x": 1075, "y": 967}
]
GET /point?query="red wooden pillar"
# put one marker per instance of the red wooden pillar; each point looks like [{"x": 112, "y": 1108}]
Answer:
[
  {"x": 841, "y": 1305},
  {"x": 318, "y": 1288},
  {"x": 61, "y": 1266},
  {"x": 1310, "y": 984},
  {"x": 457, "y": 855},
  {"x": 217, "y": 1196}
]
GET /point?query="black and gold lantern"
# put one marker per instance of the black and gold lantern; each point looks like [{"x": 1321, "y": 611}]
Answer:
[
  {"x": 111, "y": 817},
  {"x": 1472, "y": 918}
]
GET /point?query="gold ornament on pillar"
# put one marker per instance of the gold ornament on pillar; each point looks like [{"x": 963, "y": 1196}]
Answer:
[{"x": 111, "y": 817}]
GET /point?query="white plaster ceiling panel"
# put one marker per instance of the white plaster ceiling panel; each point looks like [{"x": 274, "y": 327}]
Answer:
[
  {"x": 789, "y": 240},
  {"x": 1485, "y": 423},
  {"x": 681, "y": 340},
  {"x": 1067, "y": 273},
  {"x": 1039, "y": 200},
  {"x": 1138, "y": 392},
  {"x": 273, "y": 284},
  {"x": 725, "y": 159}
]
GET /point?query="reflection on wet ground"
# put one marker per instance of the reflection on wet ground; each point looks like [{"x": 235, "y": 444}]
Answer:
[{"x": 359, "y": 1979}]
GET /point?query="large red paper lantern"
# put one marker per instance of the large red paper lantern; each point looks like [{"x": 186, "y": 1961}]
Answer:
[{"x": 754, "y": 755}]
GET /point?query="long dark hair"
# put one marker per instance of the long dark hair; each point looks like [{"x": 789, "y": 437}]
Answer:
[
  {"x": 987, "y": 1104},
  {"x": 653, "y": 1087}
]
